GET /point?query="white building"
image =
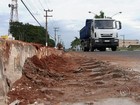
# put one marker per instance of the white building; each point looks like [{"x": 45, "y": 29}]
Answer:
[{"x": 126, "y": 43}]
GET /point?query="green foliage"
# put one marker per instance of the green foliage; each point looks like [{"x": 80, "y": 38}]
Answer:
[
  {"x": 29, "y": 33},
  {"x": 101, "y": 15},
  {"x": 17, "y": 30},
  {"x": 75, "y": 42},
  {"x": 51, "y": 43}
]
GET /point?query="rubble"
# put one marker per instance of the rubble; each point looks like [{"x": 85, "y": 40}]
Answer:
[
  {"x": 52, "y": 77},
  {"x": 13, "y": 54},
  {"x": 55, "y": 79}
]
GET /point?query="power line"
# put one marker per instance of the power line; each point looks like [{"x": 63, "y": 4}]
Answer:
[
  {"x": 38, "y": 8},
  {"x": 46, "y": 3},
  {"x": 41, "y": 4},
  {"x": 33, "y": 8},
  {"x": 31, "y": 4},
  {"x": 30, "y": 12},
  {"x": 53, "y": 22}
]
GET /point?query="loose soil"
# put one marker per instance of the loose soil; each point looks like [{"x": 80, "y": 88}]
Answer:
[{"x": 73, "y": 78}]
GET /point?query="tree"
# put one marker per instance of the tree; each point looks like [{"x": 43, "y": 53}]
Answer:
[
  {"x": 17, "y": 30},
  {"x": 101, "y": 15},
  {"x": 51, "y": 42},
  {"x": 76, "y": 42},
  {"x": 30, "y": 33}
]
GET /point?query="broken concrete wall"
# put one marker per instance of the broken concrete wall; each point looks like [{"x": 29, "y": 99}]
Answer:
[
  {"x": 1, "y": 78},
  {"x": 12, "y": 57}
]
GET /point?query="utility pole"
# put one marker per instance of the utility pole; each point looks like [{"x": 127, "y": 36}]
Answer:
[
  {"x": 123, "y": 40},
  {"x": 13, "y": 13},
  {"x": 55, "y": 30},
  {"x": 47, "y": 24},
  {"x": 59, "y": 41}
]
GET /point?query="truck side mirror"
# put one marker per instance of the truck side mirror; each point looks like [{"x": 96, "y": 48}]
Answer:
[{"x": 119, "y": 25}]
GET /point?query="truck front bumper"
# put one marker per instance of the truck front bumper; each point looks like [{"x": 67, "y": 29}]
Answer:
[{"x": 105, "y": 42}]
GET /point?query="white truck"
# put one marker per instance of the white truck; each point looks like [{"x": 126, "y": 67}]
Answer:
[{"x": 100, "y": 33}]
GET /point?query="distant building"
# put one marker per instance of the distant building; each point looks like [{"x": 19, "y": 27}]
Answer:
[{"x": 126, "y": 43}]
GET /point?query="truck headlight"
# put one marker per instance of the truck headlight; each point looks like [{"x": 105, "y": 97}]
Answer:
[
  {"x": 116, "y": 40},
  {"x": 96, "y": 40}
]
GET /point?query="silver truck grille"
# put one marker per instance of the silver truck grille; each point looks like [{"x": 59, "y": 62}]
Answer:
[{"x": 106, "y": 35}]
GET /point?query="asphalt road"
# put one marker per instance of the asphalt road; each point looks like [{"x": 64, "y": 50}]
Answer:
[{"x": 128, "y": 54}]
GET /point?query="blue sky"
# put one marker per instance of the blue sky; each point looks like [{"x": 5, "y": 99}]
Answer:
[{"x": 70, "y": 15}]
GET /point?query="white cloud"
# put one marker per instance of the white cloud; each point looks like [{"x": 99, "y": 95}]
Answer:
[
  {"x": 137, "y": 27},
  {"x": 70, "y": 15}
]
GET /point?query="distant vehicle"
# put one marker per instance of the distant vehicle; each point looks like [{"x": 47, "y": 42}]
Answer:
[
  {"x": 59, "y": 46},
  {"x": 7, "y": 37},
  {"x": 100, "y": 33},
  {"x": 4, "y": 36}
]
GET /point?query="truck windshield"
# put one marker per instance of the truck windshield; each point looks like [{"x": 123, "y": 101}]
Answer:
[{"x": 105, "y": 24}]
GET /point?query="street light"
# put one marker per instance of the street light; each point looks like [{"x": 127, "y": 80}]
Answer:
[
  {"x": 92, "y": 13},
  {"x": 123, "y": 40},
  {"x": 116, "y": 14}
]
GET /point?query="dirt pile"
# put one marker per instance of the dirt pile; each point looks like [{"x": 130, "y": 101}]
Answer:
[
  {"x": 53, "y": 79},
  {"x": 38, "y": 75}
]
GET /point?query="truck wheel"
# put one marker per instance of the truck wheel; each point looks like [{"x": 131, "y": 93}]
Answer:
[
  {"x": 114, "y": 48},
  {"x": 86, "y": 49},
  {"x": 91, "y": 49}
]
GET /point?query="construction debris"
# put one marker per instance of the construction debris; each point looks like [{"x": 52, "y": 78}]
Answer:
[{"x": 52, "y": 77}]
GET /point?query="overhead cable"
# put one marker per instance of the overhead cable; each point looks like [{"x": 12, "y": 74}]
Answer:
[
  {"x": 41, "y": 4},
  {"x": 30, "y": 12}
]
